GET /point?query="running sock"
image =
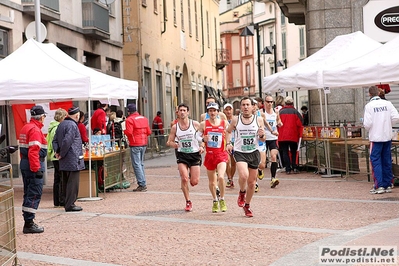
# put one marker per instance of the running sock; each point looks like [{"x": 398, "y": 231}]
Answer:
[{"x": 273, "y": 169}]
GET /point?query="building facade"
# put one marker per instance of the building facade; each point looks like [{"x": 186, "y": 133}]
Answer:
[
  {"x": 172, "y": 48},
  {"x": 261, "y": 42},
  {"x": 324, "y": 21},
  {"x": 89, "y": 31}
]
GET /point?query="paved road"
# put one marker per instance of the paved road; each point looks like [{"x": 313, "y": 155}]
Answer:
[{"x": 290, "y": 223}]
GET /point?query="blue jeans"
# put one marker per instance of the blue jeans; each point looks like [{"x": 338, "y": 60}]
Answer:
[{"x": 137, "y": 156}]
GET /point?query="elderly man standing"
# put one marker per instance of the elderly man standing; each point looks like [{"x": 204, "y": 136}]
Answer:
[
  {"x": 67, "y": 144},
  {"x": 378, "y": 118},
  {"x": 33, "y": 148},
  {"x": 137, "y": 132},
  {"x": 289, "y": 133}
]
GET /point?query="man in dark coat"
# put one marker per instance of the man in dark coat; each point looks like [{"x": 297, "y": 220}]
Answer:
[{"x": 68, "y": 146}]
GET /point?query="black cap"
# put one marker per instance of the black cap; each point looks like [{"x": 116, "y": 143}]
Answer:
[
  {"x": 159, "y": 112},
  {"x": 37, "y": 110}
]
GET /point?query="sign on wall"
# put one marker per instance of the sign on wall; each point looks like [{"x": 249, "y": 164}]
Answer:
[{"x": 381, "y": 19}]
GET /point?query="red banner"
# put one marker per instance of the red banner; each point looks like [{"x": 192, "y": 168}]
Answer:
[{"x": 21, "y": 114}]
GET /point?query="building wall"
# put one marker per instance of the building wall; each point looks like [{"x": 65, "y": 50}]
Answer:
[
  {"x": 171, "y": 62},
  {"x": 244, "y": 50},
  {"x": 67, "y": 31}
]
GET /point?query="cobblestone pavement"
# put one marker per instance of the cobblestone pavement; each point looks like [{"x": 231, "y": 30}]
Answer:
[{"x": 290, "y": 223}]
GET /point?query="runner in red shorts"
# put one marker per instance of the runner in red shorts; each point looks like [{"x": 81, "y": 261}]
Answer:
[{"x": 212, "y": 132}]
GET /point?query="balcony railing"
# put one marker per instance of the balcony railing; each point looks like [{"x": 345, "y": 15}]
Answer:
[
  {"x": 95, "y": 19},
  {"x": 222, "y": 58},
  {"x": 49, "y": 9},
  {"x": 240, "y": 91}
]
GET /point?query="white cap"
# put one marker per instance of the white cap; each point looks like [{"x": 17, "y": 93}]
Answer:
[{"x": 228, "y": 105}]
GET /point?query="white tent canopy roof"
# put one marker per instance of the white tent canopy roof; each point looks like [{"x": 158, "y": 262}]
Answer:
[
  {"x": 37, "y": 72},
  {"x": 378, "y": 66},
  {"x": 307, "y": 74}
]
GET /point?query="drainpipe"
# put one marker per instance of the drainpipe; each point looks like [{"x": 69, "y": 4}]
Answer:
[
  {"x": 202, "y": 30},
  {"x": 164, "y": 17}
]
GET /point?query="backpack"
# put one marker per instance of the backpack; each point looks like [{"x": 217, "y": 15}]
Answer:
[{"x": 118, "y": 130}]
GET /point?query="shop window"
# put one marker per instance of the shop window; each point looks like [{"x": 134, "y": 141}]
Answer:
[{"x": 3, "y": 44}]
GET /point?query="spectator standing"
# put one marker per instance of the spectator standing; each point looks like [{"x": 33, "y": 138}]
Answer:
[
  {"x": 305, "y": 115},
  {"x": 188, "y": 151},
  {"x": 99, "y": 119},
  {"x": 137, "y": 132},
  {"x": 68, "y": 146},
  {"x": 110, "y": 124},
  {"x": 249, "y": 130},
  {"x": 157, "y": 128},
  {"x": 378, "y": 118},
  {"x": 59, "y": 116},
  {"x": 289, "y": 133},
  {"x": 82, "y": 128},
  {"x": 33, "y": 151},
  {"x": 157, "y": 124},
  {"x": 119, "y": 127}
]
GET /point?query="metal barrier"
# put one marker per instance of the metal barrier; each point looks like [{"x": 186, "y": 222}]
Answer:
[
  {"x": 336, "y": 151},
  {"x": 157, "y": 144},
  {"x": 8, "y": 246}
]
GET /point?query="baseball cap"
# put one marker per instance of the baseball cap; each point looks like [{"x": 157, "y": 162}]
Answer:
[
  {"x": 228, "y": 105},
  {"x": 289, "y": 99},
  {"x": 212, "y": 105},
  {"x": 131, "y": 107},
  {"x": 37, "y": 110}
]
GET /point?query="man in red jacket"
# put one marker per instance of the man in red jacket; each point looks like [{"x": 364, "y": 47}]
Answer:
[
  {"x": 289, "y": 133},
  {"x": 33, "y": 151},
  {"x": 137, "y": 132}
]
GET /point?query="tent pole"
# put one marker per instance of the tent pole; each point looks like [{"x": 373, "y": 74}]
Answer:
[{"x": 321, "y": 108}]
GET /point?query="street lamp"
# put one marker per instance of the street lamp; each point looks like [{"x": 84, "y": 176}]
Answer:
[
  {"x": 271, "y": 50},
  {"x": 247, "y": 31},
  {"x": 282, "y": 63}
]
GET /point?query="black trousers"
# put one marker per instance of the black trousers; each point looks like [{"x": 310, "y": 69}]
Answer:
[
  {"x": 70, "y": 187},
  {"x": 58, "y": 198},
  {"x": 289, "y": 149}
]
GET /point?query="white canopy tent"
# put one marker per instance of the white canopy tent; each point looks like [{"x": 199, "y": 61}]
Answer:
[
  {"x": 378, "y": 66},
  {"x": 308, "y": 74},
  {"x": 38, "y": 72}
]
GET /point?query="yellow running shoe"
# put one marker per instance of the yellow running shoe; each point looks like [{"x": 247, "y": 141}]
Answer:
[
  {"x": 274, "y": 182},
  {"x": 256, "y": 187},
  {"x": 215, "y": 206},
  {"x": 261, "y": 175},
  {"x": 223, "y": 206}
]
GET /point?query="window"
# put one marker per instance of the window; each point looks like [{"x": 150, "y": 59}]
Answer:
[
  {"x": 208, "y": 30},
  {"x": 271, "y": 36},
  {"x": 112, "y": 67},
  {"x": 284, "y": 45},
  {"x": 189, "y": 18},
  {"x": 3, "y": 44},
  {"x": 92, "y": 60},
  {"x": 301, "y": 42},
  {"x": 156, "y": 6},
  {"x": 282, "y": 18},
  {"x": 196, "y": 19},
  {"x": 246, "y": 45},
  {"x": 248, "y": 74},
  {"x": 182, "y": 14},
  {"x": 174, "y": 13}
]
